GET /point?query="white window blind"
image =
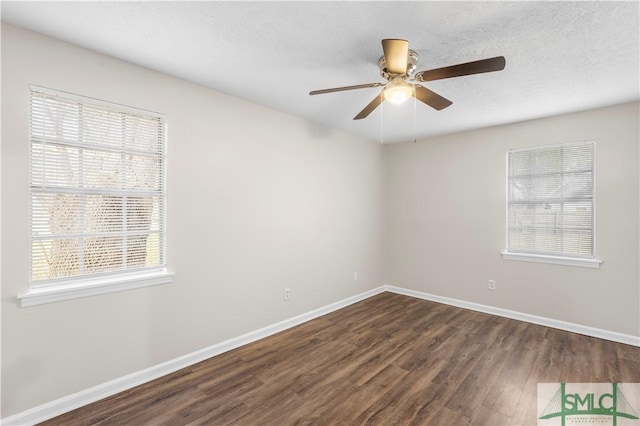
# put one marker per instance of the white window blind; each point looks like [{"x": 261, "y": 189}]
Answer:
[
  {"x": 550, "y": 201},
  {"x": 97, "y": 188}
]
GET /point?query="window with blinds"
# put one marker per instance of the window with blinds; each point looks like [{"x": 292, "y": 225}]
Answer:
[
  {"x": 97, "y": 188},
  {"x": 550, "y": 201}
]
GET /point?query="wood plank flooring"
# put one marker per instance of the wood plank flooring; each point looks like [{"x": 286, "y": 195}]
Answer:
[{"x": 388, "y": 360}]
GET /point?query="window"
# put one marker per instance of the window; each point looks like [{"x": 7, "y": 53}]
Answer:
[
  {"x": 550, "y": 204},
  {"x": 97, "y": 195}
]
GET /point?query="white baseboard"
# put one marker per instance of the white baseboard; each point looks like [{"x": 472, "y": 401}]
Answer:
[
  {"x": 548, "y": 322},
  {"x": 63, "y": 405}
]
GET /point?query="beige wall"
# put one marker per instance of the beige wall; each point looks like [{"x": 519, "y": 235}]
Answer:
[
  {"x": 257, "y": 201},
  {"x": 447, "y": 206}
]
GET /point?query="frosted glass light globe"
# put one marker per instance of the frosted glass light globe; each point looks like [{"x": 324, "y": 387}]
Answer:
[{"x": 398, "y": 91}]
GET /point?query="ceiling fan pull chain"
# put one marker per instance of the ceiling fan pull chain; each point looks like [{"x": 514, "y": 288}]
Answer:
[
  {"x": 414, "y": 114},
  {"x": 381, "y": 119}
]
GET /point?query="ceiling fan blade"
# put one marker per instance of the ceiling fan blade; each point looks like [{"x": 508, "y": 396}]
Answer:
[
  {"x": 430, "y": 98},
  {"x": 372, "y": 105},
  {"x": 475, "y": 67},
  {"x": 396, "y": 55},
  {"x": 340, "y": 89}
]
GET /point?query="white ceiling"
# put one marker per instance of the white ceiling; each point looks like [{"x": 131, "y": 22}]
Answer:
[{"x": 561, "y": 56}]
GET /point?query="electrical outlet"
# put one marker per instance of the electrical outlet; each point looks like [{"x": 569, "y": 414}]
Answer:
[
  {"x": 355, "y": 276},
  {"x": 492, "y": 284},
  {"x": 287, "y": 294}
]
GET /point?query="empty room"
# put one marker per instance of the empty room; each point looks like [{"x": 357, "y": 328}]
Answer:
[{"x": 332, "y": 213}]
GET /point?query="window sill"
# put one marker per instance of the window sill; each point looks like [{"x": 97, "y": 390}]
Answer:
[
  {"x": 90, "y": 287},
  {"x": 556, "y": 260}
]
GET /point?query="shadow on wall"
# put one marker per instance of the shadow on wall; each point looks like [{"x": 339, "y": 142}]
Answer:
[{"x": 317, "y": 131}]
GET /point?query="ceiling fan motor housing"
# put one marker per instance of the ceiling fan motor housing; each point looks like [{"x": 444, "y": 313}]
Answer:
[{"x": 412, "y": 62}]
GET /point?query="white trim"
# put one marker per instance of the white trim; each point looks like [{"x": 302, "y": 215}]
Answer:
[
  {"x": 556, "y": 260},
  {"x": 71, "y": 402},
  {"x": 74, "y": 289},
  {"x": 520, "y": 316}
]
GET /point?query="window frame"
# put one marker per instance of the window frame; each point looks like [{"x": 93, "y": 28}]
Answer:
[
  {"x": 65, "y": 288},
  {"x": 557, "y": 259}
]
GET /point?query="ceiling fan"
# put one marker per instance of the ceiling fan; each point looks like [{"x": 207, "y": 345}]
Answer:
[{"x": 397, "y": 65}]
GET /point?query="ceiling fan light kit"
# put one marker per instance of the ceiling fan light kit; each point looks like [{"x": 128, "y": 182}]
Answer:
[
  {"x": 397, "y": 91},
  {"x": 397, "y": 66}
]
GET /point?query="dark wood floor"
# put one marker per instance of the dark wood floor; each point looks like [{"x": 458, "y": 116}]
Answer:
[{"x": 389, "y": 360}]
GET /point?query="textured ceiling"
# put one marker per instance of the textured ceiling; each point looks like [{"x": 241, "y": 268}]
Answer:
[{"x": 561, "y": 56}]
